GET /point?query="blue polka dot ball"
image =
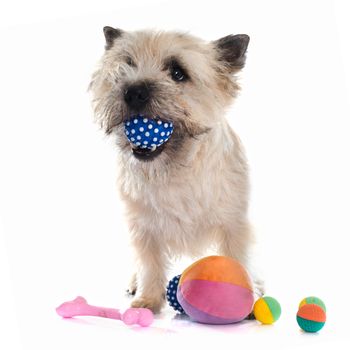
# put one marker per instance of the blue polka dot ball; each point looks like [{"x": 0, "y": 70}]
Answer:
[
  {"x": 171, "y": 292},
  {"x": 148, "y": 133}
]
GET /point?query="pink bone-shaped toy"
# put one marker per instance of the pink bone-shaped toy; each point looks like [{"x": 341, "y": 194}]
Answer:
[{"x": 80, "y": 307}]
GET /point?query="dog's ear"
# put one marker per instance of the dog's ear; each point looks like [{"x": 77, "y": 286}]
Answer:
[
  {"x": 111, "y": 34},
  {"x": 231, "y": 50}
]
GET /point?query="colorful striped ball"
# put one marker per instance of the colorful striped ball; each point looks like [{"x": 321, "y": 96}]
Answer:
[
  {"x": 313, "y": 300},
  {"x": 311, "y": 318},
  {"x": 216, "y": 290},
  {"x": 267, "y": 310}
]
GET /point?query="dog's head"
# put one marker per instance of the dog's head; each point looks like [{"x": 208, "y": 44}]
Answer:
[{"x": 171, "y": 75}]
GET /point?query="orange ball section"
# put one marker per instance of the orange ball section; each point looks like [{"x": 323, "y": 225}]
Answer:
[
  {"x": 312, "y": 312},
  {"x": 218, "y": 269}
]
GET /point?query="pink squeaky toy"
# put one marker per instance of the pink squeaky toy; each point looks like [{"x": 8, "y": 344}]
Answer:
[{"x": 80, "y": 307}]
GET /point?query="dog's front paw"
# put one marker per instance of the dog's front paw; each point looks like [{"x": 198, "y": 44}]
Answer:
[
  {"x": 155, "y": 304},
  {"x": 131, "y": 291},
  {"x": 259, "y": 288}
]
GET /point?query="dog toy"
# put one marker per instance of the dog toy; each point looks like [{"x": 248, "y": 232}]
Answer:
[
  {"x": 146, "y": 132},
  {"x": 171, "y": 294},
  {"x": 267, "y": 310},
  {"x": 311, "y": 318},
  {"x": 80, "y": 307},
  {"x": 313, "y": 300},
  {"x": 216, "y": 290}
]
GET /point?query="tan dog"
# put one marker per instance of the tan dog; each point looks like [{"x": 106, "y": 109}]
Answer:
[{"x": 192, "y": 193}]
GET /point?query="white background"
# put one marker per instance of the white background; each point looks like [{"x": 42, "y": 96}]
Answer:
[{"x": 61, "y": 222}]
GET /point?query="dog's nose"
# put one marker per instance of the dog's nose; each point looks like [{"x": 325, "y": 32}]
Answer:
[{"x": 137, "y": 95}]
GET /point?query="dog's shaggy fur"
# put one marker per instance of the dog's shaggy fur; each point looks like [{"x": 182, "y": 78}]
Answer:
[{"x": 194, "y": 194}]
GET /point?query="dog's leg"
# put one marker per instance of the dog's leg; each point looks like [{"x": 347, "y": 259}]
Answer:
[
  {"x": 132, "y": 288},
  {"x": 151, "y": 277},
  {"x": 235, "y": 241}
]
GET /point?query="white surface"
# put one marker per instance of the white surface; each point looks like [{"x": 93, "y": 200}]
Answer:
[{"x": 61, "y": 223}]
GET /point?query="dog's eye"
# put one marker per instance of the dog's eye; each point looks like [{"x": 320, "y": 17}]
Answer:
[
  {"x": 129, "y": 61},
  {"x": 177, "y": 73}
]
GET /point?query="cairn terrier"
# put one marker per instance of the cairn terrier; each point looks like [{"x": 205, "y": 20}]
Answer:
[{"x": 192, "y": 192}]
